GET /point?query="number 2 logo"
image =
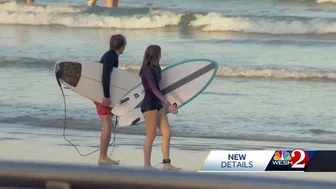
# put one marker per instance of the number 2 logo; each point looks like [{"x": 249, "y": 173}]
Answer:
[{"x": 300, "y": 158}]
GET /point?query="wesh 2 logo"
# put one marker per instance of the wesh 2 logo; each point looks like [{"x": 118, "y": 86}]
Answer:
[{"x": 297, "y": 159}]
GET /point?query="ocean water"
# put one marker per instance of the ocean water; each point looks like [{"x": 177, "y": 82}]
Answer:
[{"x": 275, "y": 82}]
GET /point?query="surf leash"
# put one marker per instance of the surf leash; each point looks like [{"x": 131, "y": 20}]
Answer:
[{"x": 58, "y": 75}]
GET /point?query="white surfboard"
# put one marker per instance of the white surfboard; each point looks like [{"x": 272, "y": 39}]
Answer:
[
  {"x": 133, "y": 117},
  {"x": 180, "y": 83},
  {"x": 85, "y": 79}
]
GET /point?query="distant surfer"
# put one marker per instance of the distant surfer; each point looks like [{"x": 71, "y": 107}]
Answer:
[
  {"x": 108, "y": 3},
  {"x": 152, "y": 108},
  {"x": 24, "y": 1},
  {"x": 109, "y": 60}
]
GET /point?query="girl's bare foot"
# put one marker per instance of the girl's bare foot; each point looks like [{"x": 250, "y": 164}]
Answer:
[{"x": 168, "y": 166}]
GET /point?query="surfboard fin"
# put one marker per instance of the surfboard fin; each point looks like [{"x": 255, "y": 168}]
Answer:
[
  {"x": 124, "y": 100},
  {"x": 136, "y": 121}
]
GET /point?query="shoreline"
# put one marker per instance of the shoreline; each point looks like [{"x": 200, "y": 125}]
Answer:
[
  {"x": 90, "y": 139},
  {"x": 266, "y": 142}
]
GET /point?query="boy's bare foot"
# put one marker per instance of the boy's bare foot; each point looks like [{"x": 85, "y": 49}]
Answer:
[{"x": 151, "y": 167}]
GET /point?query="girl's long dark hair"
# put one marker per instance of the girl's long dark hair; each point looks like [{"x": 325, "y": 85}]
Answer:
[{"x": 151, "y": 57}]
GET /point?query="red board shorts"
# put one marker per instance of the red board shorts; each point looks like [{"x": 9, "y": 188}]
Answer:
[{"x": 103, "y": 110}]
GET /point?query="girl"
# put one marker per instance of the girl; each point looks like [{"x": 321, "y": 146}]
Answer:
[{"x": 152, "y": 109}]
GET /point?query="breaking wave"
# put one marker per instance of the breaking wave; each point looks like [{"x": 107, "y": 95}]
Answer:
[
  {"x": 223, "y": 70},
  {"x": 146, "y": 18}
]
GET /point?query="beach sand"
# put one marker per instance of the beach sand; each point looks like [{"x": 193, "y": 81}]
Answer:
[
  {"x": 55, "y": 149},
  {"x": 44, "y": 149}
]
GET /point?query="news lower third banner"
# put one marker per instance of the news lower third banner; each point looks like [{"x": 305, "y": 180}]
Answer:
[{"x": 269, "y": 160}]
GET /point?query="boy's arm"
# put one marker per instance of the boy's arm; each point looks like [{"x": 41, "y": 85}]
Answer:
[{"x": 108, "y": 64}]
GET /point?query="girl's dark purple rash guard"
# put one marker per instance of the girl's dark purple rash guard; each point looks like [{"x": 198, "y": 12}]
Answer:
[{"x": 151, "y": 83}]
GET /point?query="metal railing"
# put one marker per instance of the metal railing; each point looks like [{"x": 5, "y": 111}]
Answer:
[{"x": 66, "y": 176}]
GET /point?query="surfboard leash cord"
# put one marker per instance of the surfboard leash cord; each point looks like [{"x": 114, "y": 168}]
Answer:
[{"x": 57, "y": 74}]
